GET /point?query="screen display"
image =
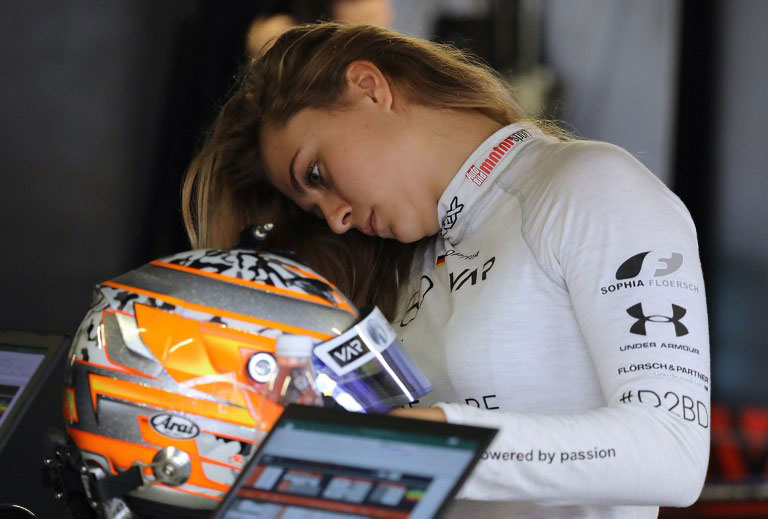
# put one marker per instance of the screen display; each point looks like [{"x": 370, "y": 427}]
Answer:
[
  {"x": 314, "y": 470},
  {"x": 17, "y": 365}
]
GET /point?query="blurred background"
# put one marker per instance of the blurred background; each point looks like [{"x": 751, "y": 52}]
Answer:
[{"x": 104, "y": 103}]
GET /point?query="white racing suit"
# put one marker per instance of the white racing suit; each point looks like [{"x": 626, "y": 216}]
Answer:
[{"x": 564, "y": 305}]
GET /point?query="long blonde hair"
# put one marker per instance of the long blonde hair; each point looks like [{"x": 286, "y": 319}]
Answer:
[{"x": 225, "y": 188}]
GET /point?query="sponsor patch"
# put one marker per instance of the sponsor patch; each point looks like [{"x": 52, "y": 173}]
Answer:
[
  {"x": 358, "y": 345},
  {"x": 478, "y": 174},
  {"x": 659, "y": 266},
  {"x": 452, "y": 215},
  {"x": 642, "y": 320},
  {"x": 416, "y": 300}
]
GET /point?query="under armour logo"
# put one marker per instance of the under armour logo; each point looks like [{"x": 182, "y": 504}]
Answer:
[
  {"x": 631, "y": 268},
  {"x": 450, "y": 218},
  {"x": 638, "y": 328}
]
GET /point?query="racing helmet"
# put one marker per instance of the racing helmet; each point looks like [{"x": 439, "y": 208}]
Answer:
[{"x": 166, "y": 369}]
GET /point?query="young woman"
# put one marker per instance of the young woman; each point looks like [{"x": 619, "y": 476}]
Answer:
[{"x": 549, "y": 288}]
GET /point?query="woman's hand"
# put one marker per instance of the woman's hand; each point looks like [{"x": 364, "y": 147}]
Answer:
[{"x": 435, "y": 414}]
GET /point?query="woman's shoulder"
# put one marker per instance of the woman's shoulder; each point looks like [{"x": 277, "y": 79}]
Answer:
[
  {"x": 580, "y": 177},
  {"x": 589, "y": 167},
  {"x": 591, "y": 189}
]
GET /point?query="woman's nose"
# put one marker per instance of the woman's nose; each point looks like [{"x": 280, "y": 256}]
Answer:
[{"x": 338, "y": 214}]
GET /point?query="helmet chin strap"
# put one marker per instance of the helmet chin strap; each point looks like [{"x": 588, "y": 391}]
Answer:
[{"x": 87, "y": 492}]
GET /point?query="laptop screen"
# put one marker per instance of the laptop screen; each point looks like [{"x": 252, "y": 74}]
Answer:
[
  {"x": 17, "y": 366},
  {"x": 321, "y": 463}
]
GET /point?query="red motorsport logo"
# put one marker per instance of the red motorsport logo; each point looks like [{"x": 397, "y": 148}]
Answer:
[{"x": 478, "y": 175}]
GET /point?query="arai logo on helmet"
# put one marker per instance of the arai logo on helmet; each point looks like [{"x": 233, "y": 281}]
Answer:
[{"x": 174, "y": 426}]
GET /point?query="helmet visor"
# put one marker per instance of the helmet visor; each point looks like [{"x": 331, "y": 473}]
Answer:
[{"x": 366, "y": 370}]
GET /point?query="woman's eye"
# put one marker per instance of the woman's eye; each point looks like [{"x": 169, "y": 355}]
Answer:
[{"x": 313, "y": 175}]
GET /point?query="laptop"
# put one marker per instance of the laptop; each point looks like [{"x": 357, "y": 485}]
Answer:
[
  {"x": 27, "y": 363},
  {"x": 321, "y": 463},
  {"x": 31, "y": 368}
]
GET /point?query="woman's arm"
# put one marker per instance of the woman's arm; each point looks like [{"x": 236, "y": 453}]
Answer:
[{"x": 625, "y": 250}]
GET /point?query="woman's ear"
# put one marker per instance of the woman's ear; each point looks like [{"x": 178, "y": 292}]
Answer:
[{"x": 366, "y": 79}]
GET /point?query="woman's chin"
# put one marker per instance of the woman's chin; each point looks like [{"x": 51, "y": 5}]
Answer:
[{"x": 409, "y": 236}]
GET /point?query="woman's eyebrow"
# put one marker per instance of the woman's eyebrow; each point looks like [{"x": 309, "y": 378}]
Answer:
[{"x": 292, "y": 172}]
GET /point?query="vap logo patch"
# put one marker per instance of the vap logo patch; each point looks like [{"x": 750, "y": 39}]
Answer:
[
  {"x": 174, "y": 426},
  {"x": 347, "y": 352},
  {"x": 656, "y": 266},
  {"x": 639, "y": 328},
  {"x": 451, "y": 216},
  {"x": 457, "y": 281},
  {"x": 357, "y": 346}
]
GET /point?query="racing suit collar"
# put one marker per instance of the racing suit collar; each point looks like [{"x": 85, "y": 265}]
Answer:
[{"x": 481, "y": 170}]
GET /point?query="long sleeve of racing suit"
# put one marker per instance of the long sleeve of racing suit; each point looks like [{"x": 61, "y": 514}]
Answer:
[{"x": 644, "y": 323}]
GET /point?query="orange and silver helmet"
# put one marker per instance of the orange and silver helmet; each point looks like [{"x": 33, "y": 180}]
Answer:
[{"x": 163, "y": 369}]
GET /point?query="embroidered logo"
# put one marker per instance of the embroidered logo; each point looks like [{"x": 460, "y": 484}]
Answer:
[
  {"x": 636, "y": 311},
  {"x": 450, "y": 218},
  {"x": 631, "y": 268},
  {"x": 479, "y": 174},
  {"x": 416, "y": 300},
  {"x": 660, "y": 265}
]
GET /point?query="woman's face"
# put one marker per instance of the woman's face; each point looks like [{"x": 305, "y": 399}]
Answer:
[{"x": 357, "y": 167}]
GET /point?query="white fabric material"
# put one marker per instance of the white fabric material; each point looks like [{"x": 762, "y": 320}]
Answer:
[{"x": 538, "y": 313}]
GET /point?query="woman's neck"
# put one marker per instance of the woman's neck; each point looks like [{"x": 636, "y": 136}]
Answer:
[{"x": 450, "y": 136}]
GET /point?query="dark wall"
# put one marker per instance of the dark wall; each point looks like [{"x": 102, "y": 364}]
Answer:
[
  {"x": 102, "y": 106},
  {"x": 82, "y": 94}
]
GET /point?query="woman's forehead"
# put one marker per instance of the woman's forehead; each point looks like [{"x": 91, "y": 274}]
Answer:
[
  {"x": 289, "y": 129},
  {"x": 275, "y": 147},
  {"x": 280, "y": 145}
]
